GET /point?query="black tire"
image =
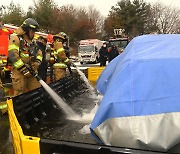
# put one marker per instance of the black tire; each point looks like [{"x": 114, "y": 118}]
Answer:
[
  {"x": 81, "y": 62},
  {"x": 98, "y": 60}
]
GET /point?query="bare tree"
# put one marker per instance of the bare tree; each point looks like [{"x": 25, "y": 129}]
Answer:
[
  {"x": 96, "y": 18},
  {"x": 166, "y": 18}
]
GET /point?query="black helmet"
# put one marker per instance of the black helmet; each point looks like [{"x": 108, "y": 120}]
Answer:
[{"x": 30, "y": 24}]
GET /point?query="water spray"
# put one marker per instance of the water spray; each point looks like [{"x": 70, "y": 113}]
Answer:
[{"x": 57, "y": 99}]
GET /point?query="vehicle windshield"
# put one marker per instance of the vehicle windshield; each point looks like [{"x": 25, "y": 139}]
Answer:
[
  {"x": 119, "y": 43},
  {"x": 88, "y": 48}
]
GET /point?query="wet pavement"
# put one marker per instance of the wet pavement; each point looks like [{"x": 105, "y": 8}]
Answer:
[
  {"x": 5, "y": 136},
  {"x": 6, "y": 146}
]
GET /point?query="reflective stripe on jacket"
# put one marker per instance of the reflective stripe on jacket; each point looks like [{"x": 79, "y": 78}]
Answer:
[
  {"x": 19, "y": 51},
  {"x": 13, "y": 47},
  {"x": 18, "y": 64},
  {"x": 1, "y": 62},
  {"x": 59, "y": 65},
  {"x": 3, "y": 106}
]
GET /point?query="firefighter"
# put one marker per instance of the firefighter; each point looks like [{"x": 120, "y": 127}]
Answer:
[
  {"x": 42, "y": 69},
  {"x": 61, "y": 60},
  {"x": 22, "y": 54},
  {"x": 51, "y": 58},
  {"x": 3, "y": 105},
  {"x": 51, "y": 62},
  {"x": 65, "y": 44}
]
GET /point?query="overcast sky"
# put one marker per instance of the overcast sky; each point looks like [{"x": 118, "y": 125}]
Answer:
[{"x": 104, "y": 6}]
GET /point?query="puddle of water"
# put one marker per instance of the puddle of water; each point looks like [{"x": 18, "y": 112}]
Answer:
[
  {"x": 76, "y": 129},
  {"x": 86, "y": 117}
]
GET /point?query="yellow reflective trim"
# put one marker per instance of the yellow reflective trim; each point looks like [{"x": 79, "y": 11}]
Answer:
[
  {"x": 5, "y": 30},
  {"x": 3, "y": 106},
  {"x": 36, "y": 36},
  {"x": 66, "y": 60},
  {"x": 18, "y": 64},
  {"x": 6, "y": 69},
  {"x": 24, "y": 55},
  {"x": 1, "y": 62},
  {"x": 13, "y": 47},
  {"x": 60, "y": 50},
  {"x": 32, "y": 26},
  {"x": 4, "y": 61},
  {"x": 60, "y": 65},
  {"x": 39, "y": 58}
]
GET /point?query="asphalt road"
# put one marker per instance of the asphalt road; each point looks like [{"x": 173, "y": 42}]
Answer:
[
  {"x": 5, "y": 136},
  {"x": 85, "y": 66}
]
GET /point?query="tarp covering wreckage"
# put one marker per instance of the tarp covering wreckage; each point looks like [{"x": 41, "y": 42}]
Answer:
[{"x": 141, "y": 103}]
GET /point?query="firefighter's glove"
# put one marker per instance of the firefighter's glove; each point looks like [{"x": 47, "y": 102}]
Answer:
[
  {"x": 35, "y": 65},
  {"x": 25, "y": 71}
]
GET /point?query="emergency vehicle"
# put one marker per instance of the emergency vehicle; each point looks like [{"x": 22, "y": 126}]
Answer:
[
  {"x": 120, "y": 43},
  {"x": 88, "y": 50},
  {"x": 119, "y": 40},
  {"x": 4, "y": 35}
]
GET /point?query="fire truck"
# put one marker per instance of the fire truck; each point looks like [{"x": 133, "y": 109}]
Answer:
[
  {"x": 88, "y": 50},
  {"x": 120, "y": 43},
  {"x": 4, "y": 35},
  {"x": 119, "y": 40}
]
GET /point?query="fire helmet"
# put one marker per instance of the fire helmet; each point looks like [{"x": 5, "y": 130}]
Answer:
[
  {"x": 64, "y": 34},
  {"x": 58, "y": 36},
  {"x": 30, "y": 24}
]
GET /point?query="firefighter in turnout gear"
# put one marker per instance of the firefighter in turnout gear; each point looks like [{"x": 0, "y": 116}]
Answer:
[
  {"x": 3, "y": 105},
  {"x": 61, "y": 60},
  {"x": 51, "y": 63},
  {"x": 22, "y": 54},
  {"x": 65, "y": 44}
]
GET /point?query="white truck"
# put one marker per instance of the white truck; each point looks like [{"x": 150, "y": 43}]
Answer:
[{"x": 88, "y": 50}]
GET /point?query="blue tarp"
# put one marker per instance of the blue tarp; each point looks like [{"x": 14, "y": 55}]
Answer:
[{"x": 143, "y": 80}]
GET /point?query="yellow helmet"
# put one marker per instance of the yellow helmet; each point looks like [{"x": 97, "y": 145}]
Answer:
[{"x": 58, "y": 36}]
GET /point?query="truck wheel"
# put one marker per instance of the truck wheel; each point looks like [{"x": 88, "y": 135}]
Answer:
[{"x": 96, "y": 61}]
